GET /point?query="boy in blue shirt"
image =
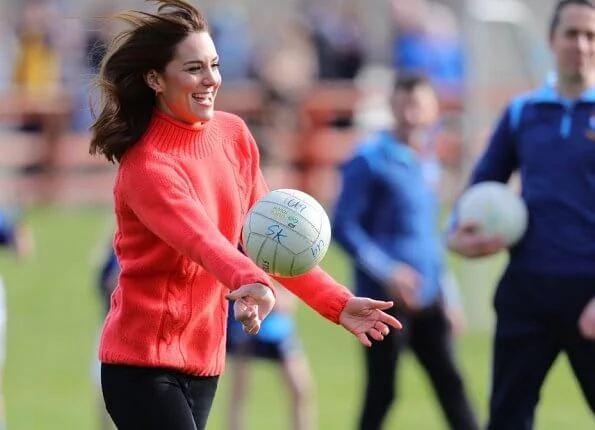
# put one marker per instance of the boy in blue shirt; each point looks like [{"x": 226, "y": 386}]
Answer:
[
  {"x": 545, "y": 301},
  {"x": 386, "y": 219}
]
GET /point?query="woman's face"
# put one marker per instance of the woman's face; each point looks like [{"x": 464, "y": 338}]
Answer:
[{"x": 187, "y": 88}]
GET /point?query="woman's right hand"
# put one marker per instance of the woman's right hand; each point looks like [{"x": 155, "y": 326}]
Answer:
[
  {"x": 252, "y": 304},
  {"x": 467, "y": 241}
]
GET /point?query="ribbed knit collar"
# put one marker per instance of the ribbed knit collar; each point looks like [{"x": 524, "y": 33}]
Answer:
[{"x": 178, "y": 138}]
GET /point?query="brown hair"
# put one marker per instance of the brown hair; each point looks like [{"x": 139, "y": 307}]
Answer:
[
  {"x": 555, "y": 21},
  {"x": 409, "y": 81},
  {"x": 127, "y": 102}
]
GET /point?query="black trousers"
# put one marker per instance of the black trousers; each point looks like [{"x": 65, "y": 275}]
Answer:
[
  {"x": 537, "y": 318},
  {"x": 428, "y": 334},
  {"x": 156, "y": 399}
]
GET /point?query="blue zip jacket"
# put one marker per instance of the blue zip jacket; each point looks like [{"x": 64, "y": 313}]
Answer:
[
  {"x": 387, "y": 214},
  {"x": 550, "y": 141}
]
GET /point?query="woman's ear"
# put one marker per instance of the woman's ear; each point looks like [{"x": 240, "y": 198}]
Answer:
[{"x": 153, "y": 80}]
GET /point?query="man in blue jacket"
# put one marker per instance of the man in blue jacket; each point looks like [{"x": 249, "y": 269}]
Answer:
[
  {"x": 545, "y": 301},
  {"x": 386, "y": 219}
]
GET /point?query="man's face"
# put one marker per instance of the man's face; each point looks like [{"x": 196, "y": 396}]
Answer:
[
  {"x": 573, "y": 43},
  {"x": 415, "y": 110}
]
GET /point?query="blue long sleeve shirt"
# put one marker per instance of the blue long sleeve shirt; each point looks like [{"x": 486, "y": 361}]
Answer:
[
  {"x": 551, "y": 143},
  {"x": 386, "y": 214}
]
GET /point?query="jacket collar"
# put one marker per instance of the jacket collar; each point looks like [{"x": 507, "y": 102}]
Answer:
[{"x": 548, "y": 94}]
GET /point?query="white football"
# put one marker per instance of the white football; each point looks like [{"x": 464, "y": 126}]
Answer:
[
  {"x": 286, "y": 233},
  {"x": 496, "y": 209}
]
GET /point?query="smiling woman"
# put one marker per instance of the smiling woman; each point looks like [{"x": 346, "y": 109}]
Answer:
[
  {"x": 187, "y": 176},
  {"x": 186, "y": 89}
]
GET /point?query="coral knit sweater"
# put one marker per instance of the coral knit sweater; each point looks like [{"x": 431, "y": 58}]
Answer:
[{"x": 181, "y": 195}]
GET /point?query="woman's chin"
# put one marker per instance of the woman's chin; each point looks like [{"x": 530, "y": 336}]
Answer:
[{"x": 205, "y": 114}]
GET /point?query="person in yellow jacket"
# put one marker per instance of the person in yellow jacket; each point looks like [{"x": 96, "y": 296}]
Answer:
[{"x": 37, "y": 65}]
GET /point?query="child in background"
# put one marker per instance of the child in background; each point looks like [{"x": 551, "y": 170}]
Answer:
[{"x": 278, "y": 342}]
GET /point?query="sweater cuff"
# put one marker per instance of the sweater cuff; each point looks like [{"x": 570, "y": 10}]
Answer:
[
  {"x": 266, "y": 281},
  {"x": 336, "y": 305}
]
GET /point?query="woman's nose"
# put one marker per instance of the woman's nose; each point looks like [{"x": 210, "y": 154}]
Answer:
[{"x": 211, "y": 77}]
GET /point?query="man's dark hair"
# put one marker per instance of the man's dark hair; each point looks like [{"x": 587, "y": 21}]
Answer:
[
  {"x": 560, "y": 7},
  {"x": 409, "y": 81}
]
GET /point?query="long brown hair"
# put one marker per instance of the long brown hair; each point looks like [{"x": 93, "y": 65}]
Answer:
[{"x": 126, "y": 100}]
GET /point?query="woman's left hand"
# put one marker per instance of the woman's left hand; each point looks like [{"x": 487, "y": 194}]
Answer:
[{"x": 365, "y": 317}]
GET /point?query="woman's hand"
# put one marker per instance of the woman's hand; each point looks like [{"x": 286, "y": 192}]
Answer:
[
  {"x": 252, "y": 304},
  {"x": 365, "y": 317}
]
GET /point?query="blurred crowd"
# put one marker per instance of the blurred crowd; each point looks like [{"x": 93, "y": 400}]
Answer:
[
  {"x": 315, "y": 75},
  {"x": 311, "y": 90}
]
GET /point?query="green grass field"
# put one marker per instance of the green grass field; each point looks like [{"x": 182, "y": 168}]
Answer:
[{"x": 54, "y": 316}]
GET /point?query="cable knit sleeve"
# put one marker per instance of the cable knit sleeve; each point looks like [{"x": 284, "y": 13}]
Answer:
[
  {"x": 316, "y": 288},
  {"x": 159, "y": 195}
]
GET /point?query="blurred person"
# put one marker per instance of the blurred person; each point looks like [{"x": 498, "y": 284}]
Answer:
[
  {"x": 99, "y": 31},
  {"x": 277, "y": 342},
  {"x": 386, "y": 219},
  {"x": 37, "y": 73},
  {"x": 8, "y": 49},
  {"x": 427, "y": 40},
  {"x": 187, "y": 175},
  {"x": 545, "y": 299},
  {"x": 17, "y": 237},
  {"x": 338, "y": 39},
  {"x": 287, "y": 68},
  {"x": 37, "y": 67},
  {"x": 232, "y": 35}
]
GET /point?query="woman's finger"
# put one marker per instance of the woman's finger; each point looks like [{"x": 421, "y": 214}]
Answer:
[
  {"x": 380, "y": 304},
  {"x": 390, "y": 320},
  {"x": 375, "y": 334},
  {"x": 363, "y": 339},
  {"x": 252, "y": 326}
]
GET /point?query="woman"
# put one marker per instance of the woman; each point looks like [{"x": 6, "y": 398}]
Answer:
[{"x": 187, "y": 176}]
